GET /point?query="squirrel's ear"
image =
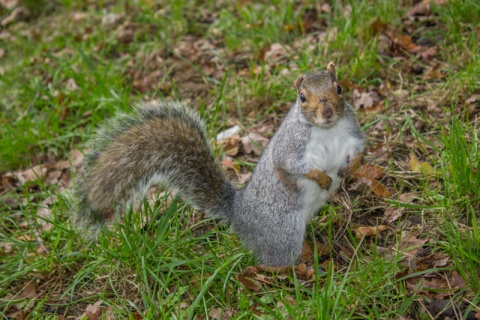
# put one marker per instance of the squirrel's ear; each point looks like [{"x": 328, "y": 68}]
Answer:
[
  {"x": 298, "y": 82},
  {"x": 331, "y": 70}
]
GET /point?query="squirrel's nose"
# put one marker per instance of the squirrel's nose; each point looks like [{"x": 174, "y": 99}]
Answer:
[{"x": 327, "y": 113}]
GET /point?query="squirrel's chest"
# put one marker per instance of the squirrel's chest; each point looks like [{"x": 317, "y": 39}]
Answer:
[{"x": 329, "y": 149}]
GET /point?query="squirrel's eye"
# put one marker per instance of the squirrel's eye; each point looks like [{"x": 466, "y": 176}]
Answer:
[
  {"x": 339, "y": 90},
  {"x": 302, "y": 97}
]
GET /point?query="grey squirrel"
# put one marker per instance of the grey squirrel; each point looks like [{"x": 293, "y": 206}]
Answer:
[{"x": 317, "y": 145}]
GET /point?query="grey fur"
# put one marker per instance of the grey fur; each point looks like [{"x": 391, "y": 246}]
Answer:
[{"x": 165, "y": 142}]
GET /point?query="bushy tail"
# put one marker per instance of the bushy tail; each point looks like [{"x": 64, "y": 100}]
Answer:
[{"x": 160, "y": 143}]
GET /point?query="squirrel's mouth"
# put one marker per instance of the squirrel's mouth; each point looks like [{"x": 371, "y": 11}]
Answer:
[{"x": 325, "y": 122}]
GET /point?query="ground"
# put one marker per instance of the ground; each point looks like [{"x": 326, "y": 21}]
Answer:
[{"x": 399, "y": 240}]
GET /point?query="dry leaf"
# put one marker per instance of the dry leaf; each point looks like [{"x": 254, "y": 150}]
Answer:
[
  {"x": 230, "y": 145},
  {"x": 392, "y": 214},
  {"x": 220, "y": 314},
  {"x": 248, "y": 278},
  {"x": 370, "y": 171},
  {"x": 322, "y": 250},
  {"x": 410, "y": 243},
  {"x": 228, "y": 164},
  {"x": 18, "y": 14},
  {"x": 364, "y": 100},
  {"x": 93, "y": 312},
  {"x": 307, "y": 252},
  {"x": 423, "y": 8},
  {"x": 408, "y": 197},
  {"x": 369, "y": 231},
  {"x": 32, "y": 174},
  {"x": 417, "y": 166},
  {"x": 254, "y": 143},
  {"x": 434, "y": 73},
  {"x": 228, "y": 133},
  {"x": 376, "y": 186},
  {"x": 379, "y": 189},
  {"x": 386, "y": 253}
]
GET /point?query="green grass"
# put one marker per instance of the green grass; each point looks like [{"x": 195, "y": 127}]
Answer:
[{"x": 59, "y": 79}]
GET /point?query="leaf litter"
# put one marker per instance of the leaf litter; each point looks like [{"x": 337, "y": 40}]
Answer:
[{"x": 372, "y": 183}]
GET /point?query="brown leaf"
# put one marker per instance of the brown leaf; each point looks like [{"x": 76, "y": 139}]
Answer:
[
  {"x": 369, "y": 231},
  {"x": 276, "y": 53},
  {"x": 44, "y": 214},
  {"x": 229, "y": 165},
  {"x": 77, "y": 158},
  {"x": 370, "y": 171},
  {"x": 230, "y": 145},
  {"x": 408, "y": 197},
  {"x": 392, "y": 214},
  {"x": 29, "y": 291},
  {"x": 220, "y": 314},
  {"x": 457, "y": 280},
  {"x": 254, "y": 143},
  {"x": 473, "y": 100},
  {"x": 247, "y": 278},
  {"x": 93, "y": 312},
  {"x": 364, "y": 100},
  {"x": 386, "y": 253},
  {"x": 322, "y": 250},
  {"x": 300, "y": 270},
  {"x": 8, "y": 181},
  {"x": 404, "y": 41},
  {"x": 377, "y": 27},
  {"x": 32, "y": 174},
  {"x": 420, "y": 9},
  {"x": 307, "y": 252},
  {"x": 418, "y": 166},
  {"x": 434, "y": 73},
  {"x": 423, "y": 8},
  {"x": 410, "y": 243},
  {"x": 18, "y": 14},
  {"x": 379, "y": 189}
]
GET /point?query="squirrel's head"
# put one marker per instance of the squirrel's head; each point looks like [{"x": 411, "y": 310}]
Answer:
[{"x": 320, "y": 96}]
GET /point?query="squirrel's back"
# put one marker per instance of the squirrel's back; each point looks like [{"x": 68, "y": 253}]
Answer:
[{"x": 160, "y": 143}]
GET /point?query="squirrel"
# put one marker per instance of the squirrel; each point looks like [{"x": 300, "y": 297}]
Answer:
[{"x": 317, "y": 145}]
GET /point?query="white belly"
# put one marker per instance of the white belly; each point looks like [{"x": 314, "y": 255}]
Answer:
[{"x": 327, "y": 150}]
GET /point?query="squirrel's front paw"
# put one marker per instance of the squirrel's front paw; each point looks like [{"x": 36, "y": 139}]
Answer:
[
  {"x": 351, "y": 167},
  {"x": 320, "y": 177}
]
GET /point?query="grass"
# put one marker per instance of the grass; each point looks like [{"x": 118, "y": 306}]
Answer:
[{"x": 64, "y": 71}]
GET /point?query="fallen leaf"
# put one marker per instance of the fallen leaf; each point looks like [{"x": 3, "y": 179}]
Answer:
[
  {"x": 376, "y": 186},
  {"x": 364, "y": 100},
  {"x": 410, "y": 243},
  {"x": 307, "y": 252},
  {"x": 229, "y": 165},
  {"x": 434, "y": 73},
  {"x": 370, "y": 171},
  {"x": 301, "y": 270},
  {"x": 252, "y": 280},
  {"x": 392, "y": 214},
  {"x": 369, "y": 231},
  {"x": 322, "y": 250},
  {"x": 408, "y": 197},
  {"x": 93, "y": 312},
  {"x": 423, "y": 8},
  {"x": 457, "y": 280},
  {"x": 473, "y": 100},
  {"x": 386, "y": 253},
  {"x": 32, "y": 174},
  {"x": 254, "y": 143},
  {"x": 18, "y": 14},
  {"x": 230, "y": 145},
  {"x": 417, "y": 166},
  {"x": 228, "y": 133}
]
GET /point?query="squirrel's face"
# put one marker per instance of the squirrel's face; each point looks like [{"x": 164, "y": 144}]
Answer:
[{"x": 320, "y": 97}]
